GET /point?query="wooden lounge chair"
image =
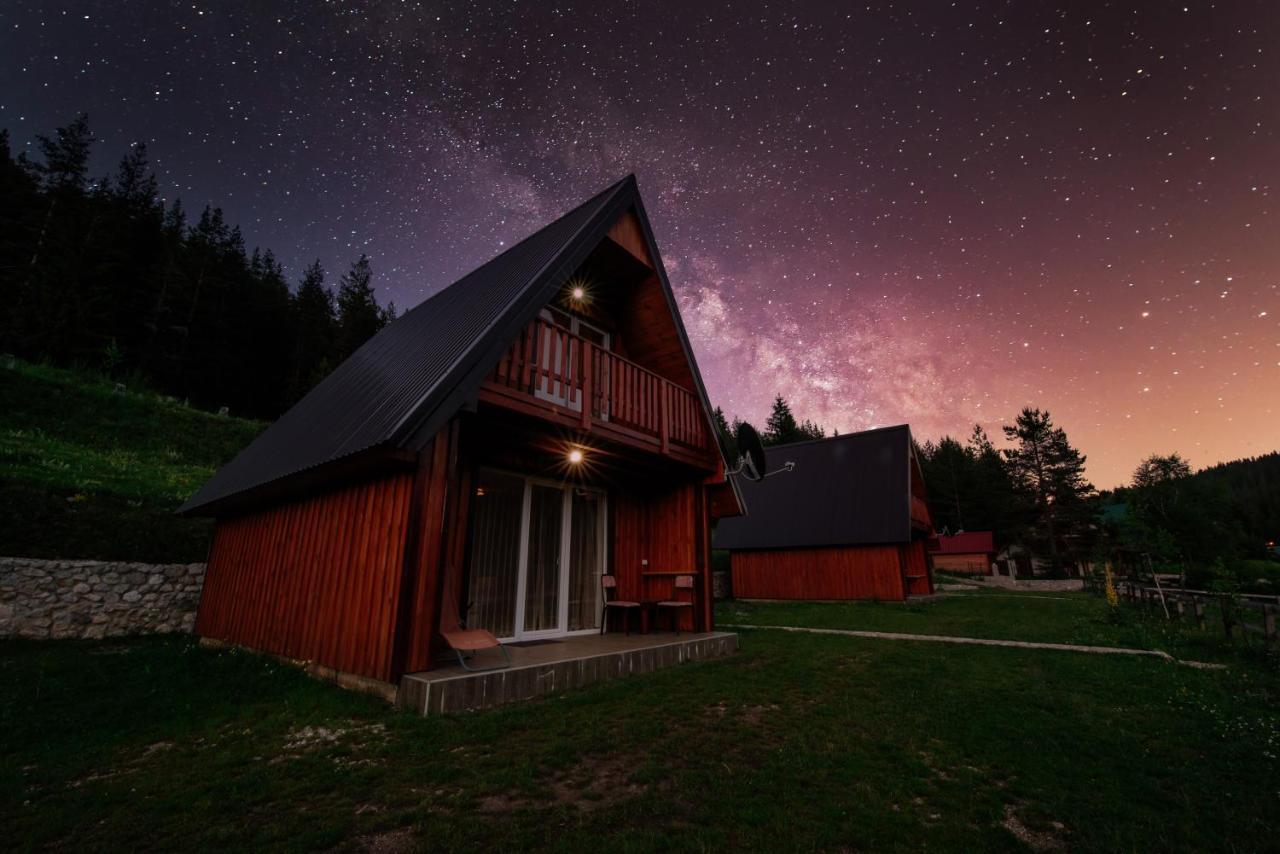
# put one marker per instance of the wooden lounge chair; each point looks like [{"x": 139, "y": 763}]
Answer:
[
  {"x": 609, "y": 586},
  {"x": 463, "y": 641},
  {"x": 675, "y": 605}
]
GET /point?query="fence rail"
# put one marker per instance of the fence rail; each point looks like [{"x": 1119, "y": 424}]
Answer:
[{"x": 1251, "y": 613}]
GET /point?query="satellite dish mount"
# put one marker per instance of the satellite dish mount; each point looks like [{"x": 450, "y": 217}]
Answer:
[{"x": 751, "y": 462}]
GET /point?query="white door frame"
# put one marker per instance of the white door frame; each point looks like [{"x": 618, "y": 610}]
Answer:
[
  {"x": 522, "y": 570},
  {"x": 552, "y": 354}
]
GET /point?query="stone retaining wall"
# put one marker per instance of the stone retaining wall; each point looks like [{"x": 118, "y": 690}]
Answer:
[{"x": 96, "y": 599}]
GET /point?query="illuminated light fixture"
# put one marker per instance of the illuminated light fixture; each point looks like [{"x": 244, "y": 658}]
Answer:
[
  {"x": 579, "y": 293},
  {"x": 575, "y": 456}
]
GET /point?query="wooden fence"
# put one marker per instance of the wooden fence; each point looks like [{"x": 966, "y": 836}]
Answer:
[{"x": 1250, "y": 613}]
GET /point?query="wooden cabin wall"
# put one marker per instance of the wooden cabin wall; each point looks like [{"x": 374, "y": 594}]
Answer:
[
  {"x": 847, "y": 572},
  {"x": 915, "y": 568},
  {"x": 647, "y": 326},
  {"x": 668, "y": 529},
  {"x": 962, "y": 564},
  {"x": 628, "y": 234},
  {"x": 434, "y": 547},
  {"x": 316, "y": 579}
]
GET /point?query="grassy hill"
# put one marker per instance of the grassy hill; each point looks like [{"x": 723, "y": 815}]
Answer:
[{"x": 87, "y": 471}]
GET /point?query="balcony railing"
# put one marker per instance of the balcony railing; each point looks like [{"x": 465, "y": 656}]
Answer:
[
  {"x": 920, "y": 513},
  {"x": 553, "y": 365}
]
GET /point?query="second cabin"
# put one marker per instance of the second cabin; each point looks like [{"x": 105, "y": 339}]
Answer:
[{"x": 850, "y": 522}]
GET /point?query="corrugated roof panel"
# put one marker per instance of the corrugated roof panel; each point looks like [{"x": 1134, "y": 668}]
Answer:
[
  {"x": 847, "y": 490},
  {"x": 409, "y": 367}
]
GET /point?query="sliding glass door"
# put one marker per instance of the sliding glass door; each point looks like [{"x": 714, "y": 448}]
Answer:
[
  {"x": 495, "y": 553},
  {"x": 537, "y": 553},
  {"x": 543, "y": 559}
]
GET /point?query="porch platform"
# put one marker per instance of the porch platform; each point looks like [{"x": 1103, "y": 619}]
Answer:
[{"x": 559, "y": 665}]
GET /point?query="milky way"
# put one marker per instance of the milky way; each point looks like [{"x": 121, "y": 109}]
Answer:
[{"x": 914, "y": 212}]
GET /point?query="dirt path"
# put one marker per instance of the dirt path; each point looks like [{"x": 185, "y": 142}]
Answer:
[{"x": 1065, "y": 647}]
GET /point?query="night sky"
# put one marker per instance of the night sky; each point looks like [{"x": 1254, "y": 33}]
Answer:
[{"x": 912, "y": 212}]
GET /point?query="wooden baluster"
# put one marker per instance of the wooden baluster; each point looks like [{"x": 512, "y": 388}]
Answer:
[
  {"x": 530, "y": 344},
  {"x": 665, "y": 416},
  {"x": 568, "y": 362},
  {"x": 585, "y": 353}
]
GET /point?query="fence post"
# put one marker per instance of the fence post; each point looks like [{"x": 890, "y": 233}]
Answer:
[
  {"x": 1177, "y": 603},
  {"x": 1199, "y": 610},
  {"x": 1269, "y": 622}
]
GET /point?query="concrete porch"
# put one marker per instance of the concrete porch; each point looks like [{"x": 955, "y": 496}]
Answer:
[{"x": 545, "y": 667}]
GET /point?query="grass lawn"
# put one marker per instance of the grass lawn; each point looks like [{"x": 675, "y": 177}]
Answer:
[
  {"x": 1074, "y": 618},
  {"x": 86, "y": 472},
  {"x": 798, "y": 742}
]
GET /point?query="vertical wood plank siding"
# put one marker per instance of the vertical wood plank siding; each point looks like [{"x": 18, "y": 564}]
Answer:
[
  {"x": 850, "y": 572},
  {"x": 664, "y": 528},
  {"x": 962, "y": 564},
  {"x": 316, "y": 579},
  {"x": 915, "y": 568}
]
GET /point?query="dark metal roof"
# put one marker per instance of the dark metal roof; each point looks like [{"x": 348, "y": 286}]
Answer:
[
  {"x": 847, "y": 490},
  {"x": 406, "y": 382}
]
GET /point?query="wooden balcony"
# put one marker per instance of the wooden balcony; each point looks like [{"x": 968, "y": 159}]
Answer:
[
  {"x": 551, "y": 372},
  {"x": 920, "y": 516}
]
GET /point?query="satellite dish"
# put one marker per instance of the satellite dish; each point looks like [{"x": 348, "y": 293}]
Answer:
[{"x": 752, "y": 451}]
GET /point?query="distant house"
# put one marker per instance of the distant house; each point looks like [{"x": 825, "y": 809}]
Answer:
[
  {"x": 968, "y": 553},
  {"x": 491, "y": 454},
  {"x": 850, "y": 522}
]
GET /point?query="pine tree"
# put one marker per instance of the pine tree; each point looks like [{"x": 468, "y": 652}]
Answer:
[
  {"x": 1044, "y": 466},
  {"x": 359, "y": 317},
  {"x": 781, "y": 428},
  {"x": 809, "y": 430},
  {"x": 99, "y": 272},
  {"x": 728, "y": 438},
  {"x": 315, "y": 325},
  {"x": 65, "y": 156},
  {"x": 389, "y": 313}
]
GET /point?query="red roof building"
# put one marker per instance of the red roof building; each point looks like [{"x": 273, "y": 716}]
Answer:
[{"x": 967, "y": 553}]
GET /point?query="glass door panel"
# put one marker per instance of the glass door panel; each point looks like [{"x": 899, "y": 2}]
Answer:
[
  {"x": 495, "y": 553},
  {"x": 586, "y": 559},
  {"x": 542, "y": 577}
]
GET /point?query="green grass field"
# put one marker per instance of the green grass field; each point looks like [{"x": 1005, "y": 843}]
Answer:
[
  {"x": 798, "y": 742},
  {"x": 1074, "y": 618},
  {"x": 91, "y": 473}
]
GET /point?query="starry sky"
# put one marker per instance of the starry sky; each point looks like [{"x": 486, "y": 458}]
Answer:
[{"x": 933, "y": 213}]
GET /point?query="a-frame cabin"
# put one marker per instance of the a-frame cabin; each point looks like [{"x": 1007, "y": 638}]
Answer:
[{"x": 536, "y": 424}]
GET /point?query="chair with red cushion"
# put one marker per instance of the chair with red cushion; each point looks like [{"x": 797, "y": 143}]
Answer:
[
  {"x": 463, "y": 641},
  {"x": 609, "y": 586},
  {"x": 675, "y": 604}
]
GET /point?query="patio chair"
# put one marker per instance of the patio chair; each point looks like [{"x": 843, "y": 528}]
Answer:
[
  {"x": 463, "y": 641},
  {"x": 609, "y": 586},
  {"x": 675, "y": 605}
]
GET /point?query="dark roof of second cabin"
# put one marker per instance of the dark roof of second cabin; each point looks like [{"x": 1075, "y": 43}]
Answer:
[
  {"x": 846, "y": 490},
  {"x": 407, "y": 381}
]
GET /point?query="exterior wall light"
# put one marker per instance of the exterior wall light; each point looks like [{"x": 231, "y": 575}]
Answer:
[{"x": 575, "y": 456}]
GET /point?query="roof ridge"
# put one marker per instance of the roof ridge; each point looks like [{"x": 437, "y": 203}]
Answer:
[
  {"x": 530, "y": 236},
  {"x": 903, "y": 426}
]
